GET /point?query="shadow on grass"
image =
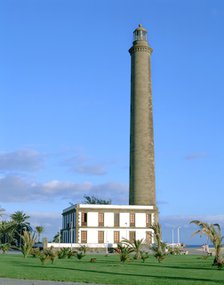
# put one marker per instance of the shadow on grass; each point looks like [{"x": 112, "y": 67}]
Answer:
[
  {"x": 129, "y": 274},
  {"x": 172, "y": 266},
  {"x": 159, "y": 265}
]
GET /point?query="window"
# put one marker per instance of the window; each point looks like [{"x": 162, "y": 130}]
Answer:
[
  {"x": 132, "y": 219},
  {"x": 101, "y": 219},
  {"x": 100, "y": 236},
  {"x": 83, "y": 236},
  {"x": 132, "y": 236},
  {"x": 116, "y": 236},
  {"x": 148, "y": 219},
  {"x": 148, "y": 237},
  {"x": 116, "y": 219},
  {"x": 84, "y": 219}
]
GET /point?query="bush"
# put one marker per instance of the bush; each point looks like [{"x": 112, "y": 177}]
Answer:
[
  {"x": 174, "y": 250},
  {"x": 63, "y": 252},
  {"x": 5, "y": 248},
  {"x": 43, "y": 258},
  {"x": 124, "y": 251},
  {"x": 159, "y": 251},
  {"x": 80, "y": 255},
  {"x": 35, "y": 252},
  {"x": 28, "y": 242},
  {"x": 83, "y": 248},
  {"x": 71, "y": 253},
  {"x": 48, "y": 254},
  {"x": 220, "y": 264},
  {"x": 144, "y": 255}
]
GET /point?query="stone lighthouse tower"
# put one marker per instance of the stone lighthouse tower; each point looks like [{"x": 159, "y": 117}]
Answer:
[{"x": 142, "y": 173}]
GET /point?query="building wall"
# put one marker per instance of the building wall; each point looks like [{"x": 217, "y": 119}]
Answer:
[
  {"x": 124, "y": 220},
  {"x": 92, "y": 220},
  {"x": 92, "y": 234},
  {"x": 140, "y": 220},
  {"x": 109, "y": 219},
  {"x": 97, "y": 231}
]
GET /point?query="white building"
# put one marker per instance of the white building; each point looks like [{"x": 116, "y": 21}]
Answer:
[{"x": 106, "y": 224}]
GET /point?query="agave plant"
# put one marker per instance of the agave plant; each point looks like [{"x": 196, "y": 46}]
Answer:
[
  {"x": 135, "y": 245},
  {"x": 213, "y": 232}
]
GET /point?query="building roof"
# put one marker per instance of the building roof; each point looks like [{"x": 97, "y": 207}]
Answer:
[{"x": 112, "y": 207}]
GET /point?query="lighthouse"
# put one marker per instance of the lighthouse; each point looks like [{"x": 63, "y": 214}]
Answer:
[
  {"x": 100, "y": 226},
  {"x": 142, "y": 171}
]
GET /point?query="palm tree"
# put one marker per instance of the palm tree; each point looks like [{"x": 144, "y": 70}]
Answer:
[
  {"x": 6, "y": 232},
  {"x": 28, "y": 242},
  {"x": 39, "y": 230},
  {"x": 136, "y": 245},
  {"x": 95, "y": 200},
  {"x": 213, "y": 232},
  {"x": 19, "y": 219},
  {"x": 159, "y": 247},
  {"x": 124, "y": 252}
]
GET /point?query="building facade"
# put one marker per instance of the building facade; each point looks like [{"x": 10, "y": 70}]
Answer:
[{"x": 106, "y": 224}]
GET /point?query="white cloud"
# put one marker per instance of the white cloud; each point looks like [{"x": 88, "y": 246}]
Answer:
[
  {"x": 21, "y": 160},
  {"x": 17, "y": 189}
]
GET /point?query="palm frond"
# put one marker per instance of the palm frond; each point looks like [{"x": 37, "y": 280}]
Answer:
[{"x": 196, "y": 232}]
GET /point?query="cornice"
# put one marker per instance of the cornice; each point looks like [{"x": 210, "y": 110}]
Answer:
[{"x": 139, "y": 48}]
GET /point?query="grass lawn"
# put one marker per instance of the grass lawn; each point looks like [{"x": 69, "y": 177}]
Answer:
[{"x": 173, "y": 270}]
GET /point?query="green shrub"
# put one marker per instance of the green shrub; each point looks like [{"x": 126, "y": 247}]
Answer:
[
  {"x": 144, "y": 255},
  {"x": 43, "y": 258},
  {"x": 71, "y": 253},
  {"x": 83, "y": 248},
  {"x": 28, "y": 242},
  {"x": 35, "y": 252},
  {"x": 124, "y": 251},
  {"x": 5, "y": 247},
  {"x": 174, "y": 250},
  {"x": 63, "y": 252},
  {"x": 48, "y": 254},
  {"x": 80, "y": 255}
]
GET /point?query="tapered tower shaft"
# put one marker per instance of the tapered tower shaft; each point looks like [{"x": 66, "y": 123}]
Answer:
[{"x": 142, "y": 173}]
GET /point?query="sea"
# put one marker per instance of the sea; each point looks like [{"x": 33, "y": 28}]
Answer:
[{"x": 194, "y": 245}]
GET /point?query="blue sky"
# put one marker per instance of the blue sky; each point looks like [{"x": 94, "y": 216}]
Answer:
[{"x": 65, "y": 102}]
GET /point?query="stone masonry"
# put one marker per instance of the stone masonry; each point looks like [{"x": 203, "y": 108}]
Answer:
[{"x": 142, "y": 174}]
